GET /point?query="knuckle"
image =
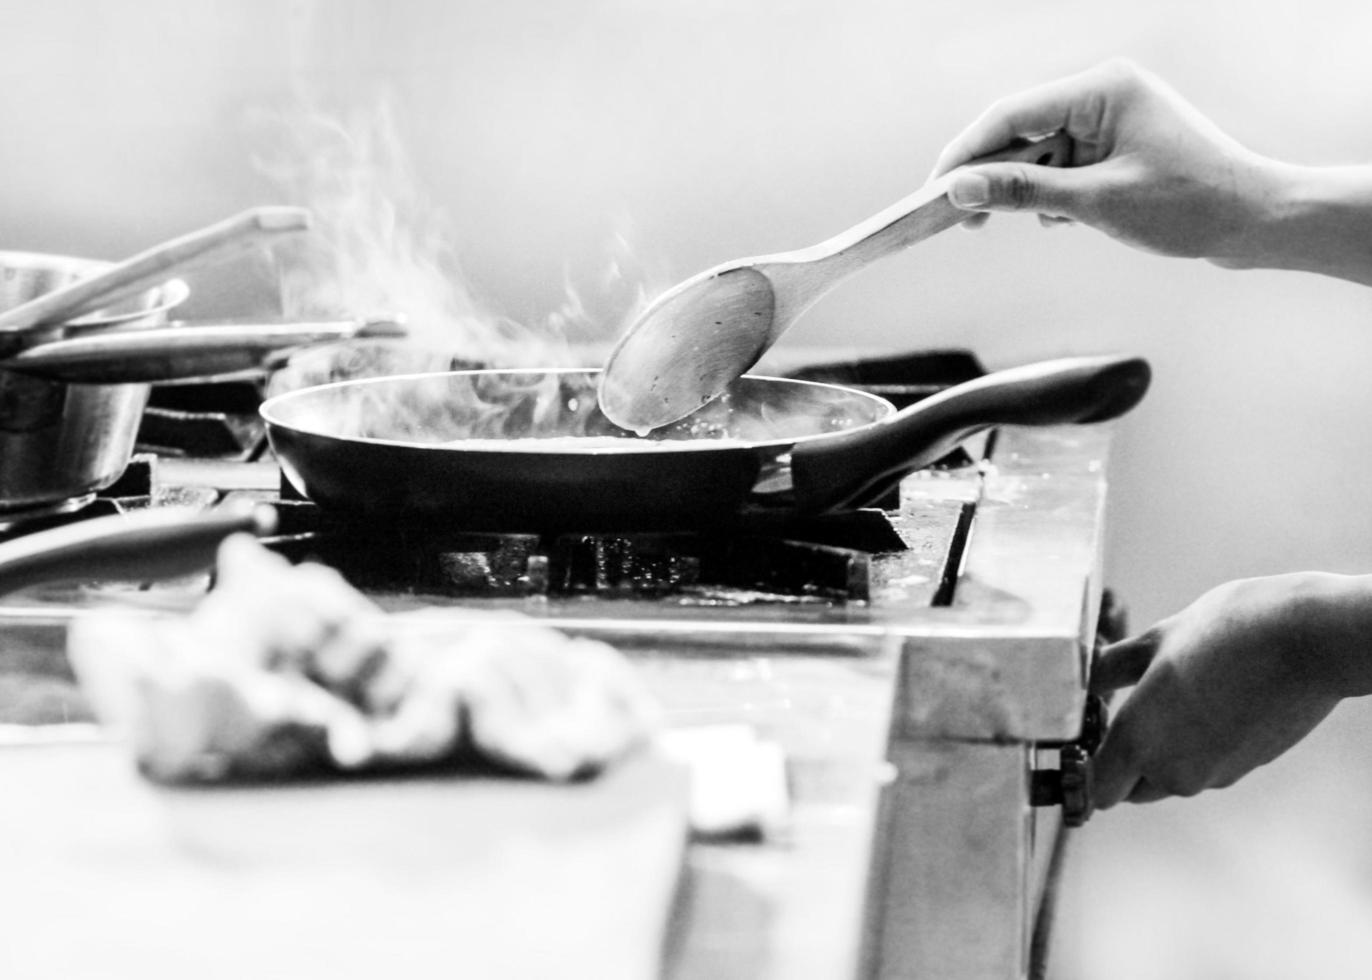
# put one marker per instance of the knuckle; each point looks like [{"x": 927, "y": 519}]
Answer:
[
  {"x": 1018, "y": 191},
  {"x": 1121, "y": 73},
  {"x": 998, "y": 108}
]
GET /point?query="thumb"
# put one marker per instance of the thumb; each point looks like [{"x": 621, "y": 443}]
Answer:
[
  {"x": 1122, "y": 664},
  {"x": 1061, "y": 192}
]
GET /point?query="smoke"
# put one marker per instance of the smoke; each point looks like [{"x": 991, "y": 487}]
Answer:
[
  {"x": 380, "y": 246},
  {"x": 556, "y": 411},
  {"x": 377, "y": 246},
  {"x": 624, "y": 284}
]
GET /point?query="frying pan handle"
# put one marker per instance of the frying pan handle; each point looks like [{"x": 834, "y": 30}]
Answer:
[
  {"x": 849, "y": 469},
  {"x": 153, "y": 544}
]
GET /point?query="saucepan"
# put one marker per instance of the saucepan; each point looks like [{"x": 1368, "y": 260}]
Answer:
[
  {"x": 72, "y": 396},
  {"x": 530, "y": 451}
]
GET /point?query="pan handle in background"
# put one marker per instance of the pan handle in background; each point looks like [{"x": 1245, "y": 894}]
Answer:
[
  {"x": 850, "y": 469},
  {"x": 187, "y": 351},
  {"x": 146, "y": 269},
  {"x": 152, "y": 544}
]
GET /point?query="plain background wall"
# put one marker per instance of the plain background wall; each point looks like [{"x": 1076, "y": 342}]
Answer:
[{"x": 557, "y": 137}]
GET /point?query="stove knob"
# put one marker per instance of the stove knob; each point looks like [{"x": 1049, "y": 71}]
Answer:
[
  {"x": 1068, "y": 786},
  {"x": 1075, "y": 769}
]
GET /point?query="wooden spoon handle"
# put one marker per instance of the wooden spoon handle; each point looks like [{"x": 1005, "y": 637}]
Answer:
[
  {"x": 153, "y": 266},
  {"x": 921, "y": 215}
]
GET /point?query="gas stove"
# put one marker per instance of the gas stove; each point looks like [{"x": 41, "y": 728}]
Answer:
[
  {"x": 923, "y": 663},
  {"x": 203, "y": 444}
]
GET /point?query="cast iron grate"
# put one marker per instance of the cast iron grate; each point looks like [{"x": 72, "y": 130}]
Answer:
[{"x": 748, "y": 565}]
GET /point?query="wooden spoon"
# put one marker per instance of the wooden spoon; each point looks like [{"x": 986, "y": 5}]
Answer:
[
  {"x": 22, "y": 324},
  {"x": 696, "y": 338}
]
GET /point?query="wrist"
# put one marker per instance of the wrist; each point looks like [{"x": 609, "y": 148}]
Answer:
[
  {"x": 1332, "y": 623},
  {"x": 1310, "y": 219}
]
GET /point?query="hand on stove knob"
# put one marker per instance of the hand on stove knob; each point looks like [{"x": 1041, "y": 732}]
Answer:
[
  {"x": 1230, "y": 683},
  {"x": 1150, "y": 170}
]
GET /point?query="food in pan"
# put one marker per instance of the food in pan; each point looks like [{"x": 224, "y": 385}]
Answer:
[
  {"x": 576, "y": 444},
  {"x": 286, "y": 671}
]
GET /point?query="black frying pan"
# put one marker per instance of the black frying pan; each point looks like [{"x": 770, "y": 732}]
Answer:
[{"x": 403, "y": 446}]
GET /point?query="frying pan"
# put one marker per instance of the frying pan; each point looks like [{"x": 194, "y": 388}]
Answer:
[{"x": 530, "y": 451}]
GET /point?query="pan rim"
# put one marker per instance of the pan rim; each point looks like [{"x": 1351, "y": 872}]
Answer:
[{"x": 268, "y": 409}]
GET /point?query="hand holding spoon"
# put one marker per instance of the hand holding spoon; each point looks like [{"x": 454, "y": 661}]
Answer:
[{"x": 696, "y": 338}]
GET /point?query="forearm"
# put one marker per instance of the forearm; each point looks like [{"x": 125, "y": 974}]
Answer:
[{"x": 1311, "y": 219}]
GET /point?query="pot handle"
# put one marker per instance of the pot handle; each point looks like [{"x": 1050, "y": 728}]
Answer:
[
  {"x": 152, "y": 544},
  {"x": 849, "y": 469},
  {"x": 148, "y": 268},
  {"x": 187, "y": 351}
]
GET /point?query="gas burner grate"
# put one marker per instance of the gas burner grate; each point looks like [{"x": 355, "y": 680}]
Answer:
[
  {"x": 210, "y": 420},
  {"x": 754, "y": 565}
]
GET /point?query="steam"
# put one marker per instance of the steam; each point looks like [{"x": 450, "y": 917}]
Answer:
[
  {"x": 379, "y": 246},
  {"x": 621, "y": 290},
  {"x": 556, "y": 411}
]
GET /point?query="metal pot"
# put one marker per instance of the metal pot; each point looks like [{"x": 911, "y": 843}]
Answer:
[
  {"x": 72, "y": 400},
  {"x": 60, "y": 443}
]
